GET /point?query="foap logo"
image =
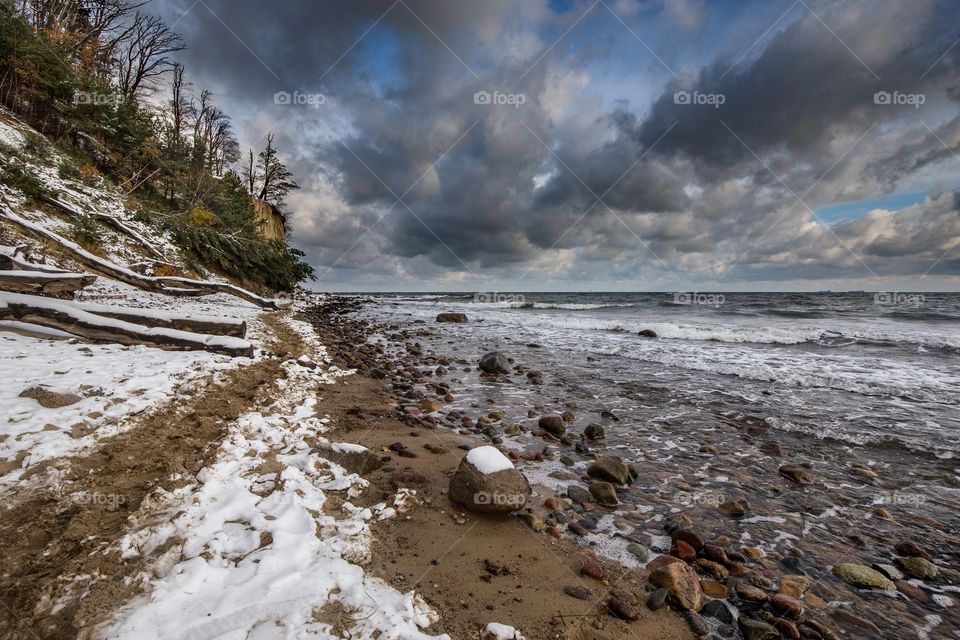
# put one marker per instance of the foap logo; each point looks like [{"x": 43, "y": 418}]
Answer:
[
  {"x": 493, "y": 297},
  {"x": 111, "y": 501},
  {"x": 95, "y": 99},
  {"x": 695, "y": 297},
  {"x": 901, "y": 498},
  {"x": 299, "y": 99},
  {"x": 499, "y": 499},
  {"x": 899, "y": 99},
  {"x": 897, "y": 299},
  {"x": 697, "y": 98},
  {"x": 497, "y": 98},
  {"x": 699, "y": 498},
  {"x": 284, "y": 298}
]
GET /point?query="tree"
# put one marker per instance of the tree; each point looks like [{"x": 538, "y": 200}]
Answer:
[
  {"x": 277, "y": 180},
  {"x": 144, "y": 54}
]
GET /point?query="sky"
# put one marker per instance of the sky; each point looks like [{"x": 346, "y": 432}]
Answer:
[{"x": 584, "y": 145}]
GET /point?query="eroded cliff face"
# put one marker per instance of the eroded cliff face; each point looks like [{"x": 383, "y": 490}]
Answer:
[{"x": 270, "y": 219}]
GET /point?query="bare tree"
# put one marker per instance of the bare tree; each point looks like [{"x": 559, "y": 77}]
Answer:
[
  {"x": 277, "y": 179},
  {"x": 144, "y": 54}
]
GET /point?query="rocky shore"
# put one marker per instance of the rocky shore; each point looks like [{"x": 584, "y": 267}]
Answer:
[{"x": 576, "y": 557}]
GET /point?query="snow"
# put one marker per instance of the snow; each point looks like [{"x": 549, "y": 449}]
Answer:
[
  {"x": 156, "y": 314},
  {"x": 41, "y": 274},
  {"x": 497, "y": 631},
  {"x": 488, "y": 459}
]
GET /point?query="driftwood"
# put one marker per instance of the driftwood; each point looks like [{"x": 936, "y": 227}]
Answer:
[
  {"x": 55, "y": 314},
  {"x": 47, "y": 283},
  {"x": 170, "y": 286},
  {"x": 112, "y": 221},
  {"x": 148, "y": 318}
]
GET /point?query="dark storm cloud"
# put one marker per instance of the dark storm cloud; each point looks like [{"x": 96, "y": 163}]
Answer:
[{"x": 494, "y": 186}]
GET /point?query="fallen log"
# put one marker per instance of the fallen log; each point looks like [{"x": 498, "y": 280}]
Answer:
[
  {"x": 56, "y": 314},
  {"x": 154, "y": 318},
  {"x": 47, "y": 283},
  {"x": 9, "y": 260},
  {"x": 112, "y": 221},
  {"x": 170, "y": 286}
]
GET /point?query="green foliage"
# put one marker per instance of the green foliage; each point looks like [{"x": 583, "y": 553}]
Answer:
[
  {"x": 13, "y": 175},
  {"x": 232, "y": 204},
  {"x": 87, "y": 233},
  {"x": 268, "y": 263}
]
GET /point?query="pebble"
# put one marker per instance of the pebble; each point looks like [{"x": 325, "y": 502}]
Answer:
[
  {"x": 786, "y": 628},
  {"x": 756, "y": 630},
  {"x": 888, "y": 570},
  {"x": 656, "y": 599},
  {"x": 689, "y": 537},
  {"x": 697, "y": 624},
  {"x": 911, "y": 549},
  {"x": 683, "y": 551},
  {"x": 917, "y": 567},
  {"x": 750, "y": 593},
  {"x": 719, "y": 610},
  {"x": 787, "y": 606},
  {"x": 861, "y": 576},
  {"x": 800, "y": 475},
  {"x": 593, "y": 569},
  {"x": 623, "y": 610},
  {"x": 734, "y": 509},
  {"x": 714, "y": 589},
  {"x": 580, "y": 593}
]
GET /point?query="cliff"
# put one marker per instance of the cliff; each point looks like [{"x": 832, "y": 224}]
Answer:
[{"x": 270, "y": 220}]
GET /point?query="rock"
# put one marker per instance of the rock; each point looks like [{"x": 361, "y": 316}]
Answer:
[
  {"x": 502, "y": 490},
  {"x": 823, "y": 630},
  {"x": 428, "y": 405},
  {"x": 580, "y": 593},
  {"x": 352, "y": 457},
  {"x": 552, "y": 424},
  {"x": 849, "y": 618},
  {"x": 861, "y": 576},
  {"x": 750, "y": 593},
  {"x": 794, "y": 585},
  {"x": 647, "y": 333},
  {"x": 715, "y": 553},
  {"x": 800, "y": 475},
  {"x": 495, "y": 568},
  {"x": 710, "y": 568},
  {"x": 888, "y": 570},
  {"x": 656, "y": 599},
  {"x": 535, "y": 522},
  {"x": 552, "y": 504},
  {"x": 604, "y": 493},
  {"x": 593, "y": 569},
  {"x": 579, "y": 495},
  {"x": 611, "y": 469},
  {"x": 451, "y": 317},
  {"x": 494, "y": 362},
  {"x": 718, "y": 609},
  {"x": 577, "y": 529},
  {"x": 917, "y": 567},
  {"x": 408, "y": 476},
  {"x": 497, "y": 631},
  {"x": 697, "y": 624},
  {"x": 50, "y": 399},
  {"x": 683, "y": 551},
  {"x": 689, "y": 537},
  {"x": 662, "y": 561},
  {"x": 622, "y": 609},
  {"x": 911, "y": 549},
  {"x": 786, "y": 628},
  {"x": 787, "y": 607},
  {"x": 734, "y": 509},
  {"x": 912, "y": 591},
  {"x": 756, "y": 630},
  {"x": 594, "y": 432},
  {"x": 681, "y": 582},
  {"x": 714, "y": 589},
  {"x": 568, "y": 416}
]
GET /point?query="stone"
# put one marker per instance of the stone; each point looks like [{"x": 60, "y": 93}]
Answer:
[
  {"x": 798, "y": 474},
  {"x": 756, "y": 630},
  {"x": 734, "y": 509},
  {"x": 593, "y": 569},
  {"x": 750, "y": 593},
  {"x": 604, "y": 493},
  {"x": 50, "y": 399},
  {"x": 502, "y": 491},
  {"x": 787, "y": 607},
  {"x": 794, "y": 585},
  {"x": 552, "y": 424},
  {"x": 494, "y": 362},
  {"x": 428, "y": 405},
  {"x": 656, "y": 599},
  {"x": 711, "y": 568},
  {"x": 638, "y": 551},
  {"x": 579, "y": 495},
  {"x": 861, "y": 576},
  {"x": 849, "y": 618},
  {"x": 661, "y": 561},
  {"x": 786, "y": 628},
  {"x": 622, "y": 609},
  {"x": 683, "y": 551},
  {"x": 689, "y": 537},
  {"x": 917, "y": 567},
  {"x": 697, "y": 624},
  {"x": 714, "y": 589},
  {"x": 647, "y": 333},
  {"x": 719, "y": 610},
  {"x": 352, "y": 457},
  {"x": 823, "y": 630},
  {"x": 681, "y": 582},
  {"x": 912, "y": 591},
  {"x": 594, "y": 432},
  {"x": 611, "y": 469},
  {"x": 535, "y": 522},
  {"x": 451, "y": 317},
  {"x": 580, "y": 593},
  {"x": 889, "y": 570},
  {"x": 911, "y": 549}
]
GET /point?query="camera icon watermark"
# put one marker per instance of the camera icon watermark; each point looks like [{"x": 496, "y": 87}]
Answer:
[
  {"x": 95, "y": 99},
  {"x": 896, "y": 98},
  {"x": 897, "y": 299},
  {"x": 699, "y": 498},
  {"x": 499, "y": 499},
  {"x": 284, "y": 298},
  {"x": 297, "y": 98},
  {"x": 695, "y": 297},
  {"x": 493, "y": 297},
  {"x": 699, "y": 99},
  {"x": 515, "y": 100}
]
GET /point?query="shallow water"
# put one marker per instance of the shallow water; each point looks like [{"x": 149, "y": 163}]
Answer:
[{"x": 836, "y": 389}]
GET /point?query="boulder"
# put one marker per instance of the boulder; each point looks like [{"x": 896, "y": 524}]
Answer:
[
  {"x": 487, "y": 482},
  {"x": 681, "y": 582},
  {"x": 552, "y": 424},
  {"x": 352, "y": 457},
  {"x": 494, "y": 362},
  {"x": 451, "y": 317},
  {"x": 647, "y": 333},
  {"x": 861, "y": 576},
  {"x": 604, "y": 493},
  {"x": 579, "y": 495},
  {"x": 610, "y": 469},
  {"x": 594, "y": 432}
]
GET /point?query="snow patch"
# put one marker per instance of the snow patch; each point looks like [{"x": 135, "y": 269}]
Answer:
[{"x": 488, "y": 460}]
